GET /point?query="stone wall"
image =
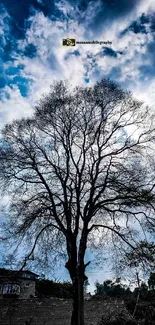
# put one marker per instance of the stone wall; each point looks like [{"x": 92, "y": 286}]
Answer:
[{"x": 26, "y": 291}]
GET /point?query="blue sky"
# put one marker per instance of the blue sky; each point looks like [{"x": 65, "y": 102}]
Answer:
[{"x": 32, "y": 56}]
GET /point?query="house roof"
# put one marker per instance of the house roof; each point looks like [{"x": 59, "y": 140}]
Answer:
[
  {"x": 29, "y": 272},
  {"x": 17, "y": 273}
]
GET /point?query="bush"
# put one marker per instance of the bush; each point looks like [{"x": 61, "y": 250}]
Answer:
[
  {"x": 117, "y": 316},
  {"x": 145, "y": 311},
  {"x": 54, "y": 289}
]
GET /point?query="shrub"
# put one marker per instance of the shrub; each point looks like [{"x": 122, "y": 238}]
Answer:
[
  {"x": 50, "y": 288},
  {"x": 117, "y": 316}
]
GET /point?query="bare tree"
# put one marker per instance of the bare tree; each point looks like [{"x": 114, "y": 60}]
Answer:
[{"x": 81, "y": 167}]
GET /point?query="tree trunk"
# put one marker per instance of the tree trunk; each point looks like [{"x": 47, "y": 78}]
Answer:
[
  {"x": 76, "y": 268},
  {"x": 78, "y": 303}
]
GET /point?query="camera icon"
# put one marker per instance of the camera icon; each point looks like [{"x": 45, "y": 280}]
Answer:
[{"x": 68, "y": 42}]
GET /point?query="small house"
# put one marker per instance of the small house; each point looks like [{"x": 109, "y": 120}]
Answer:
[{"x": 17, "y": 284}]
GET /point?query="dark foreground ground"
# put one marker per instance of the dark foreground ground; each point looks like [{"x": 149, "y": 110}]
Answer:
[{"x": 51, "y": 311}]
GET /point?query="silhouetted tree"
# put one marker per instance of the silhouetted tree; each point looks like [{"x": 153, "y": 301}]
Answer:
[
  {"x": 112, "y": 289},
  {"x": 82, "y": 164},
  {"x": 142, "y": 254},
  {"x": 151, "y": 281}
]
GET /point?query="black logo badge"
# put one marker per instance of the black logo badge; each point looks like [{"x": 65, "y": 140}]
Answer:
[{"x": 68, "y": 42}]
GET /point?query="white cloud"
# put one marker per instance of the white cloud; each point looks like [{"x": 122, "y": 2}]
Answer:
[
  {"x": 146, "y": 7},
  {"x": 145, "y": 92},
  {"x": 13, "y": 105},
  {"x": 65, "y": 7},
  {"x": 4, "y": 27}
]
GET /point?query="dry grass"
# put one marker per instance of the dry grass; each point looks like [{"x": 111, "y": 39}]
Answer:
[{"x": 49, "y": 311}]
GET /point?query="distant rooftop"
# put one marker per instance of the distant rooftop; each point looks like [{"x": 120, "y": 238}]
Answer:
[{"x": 24, "y": 273}]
